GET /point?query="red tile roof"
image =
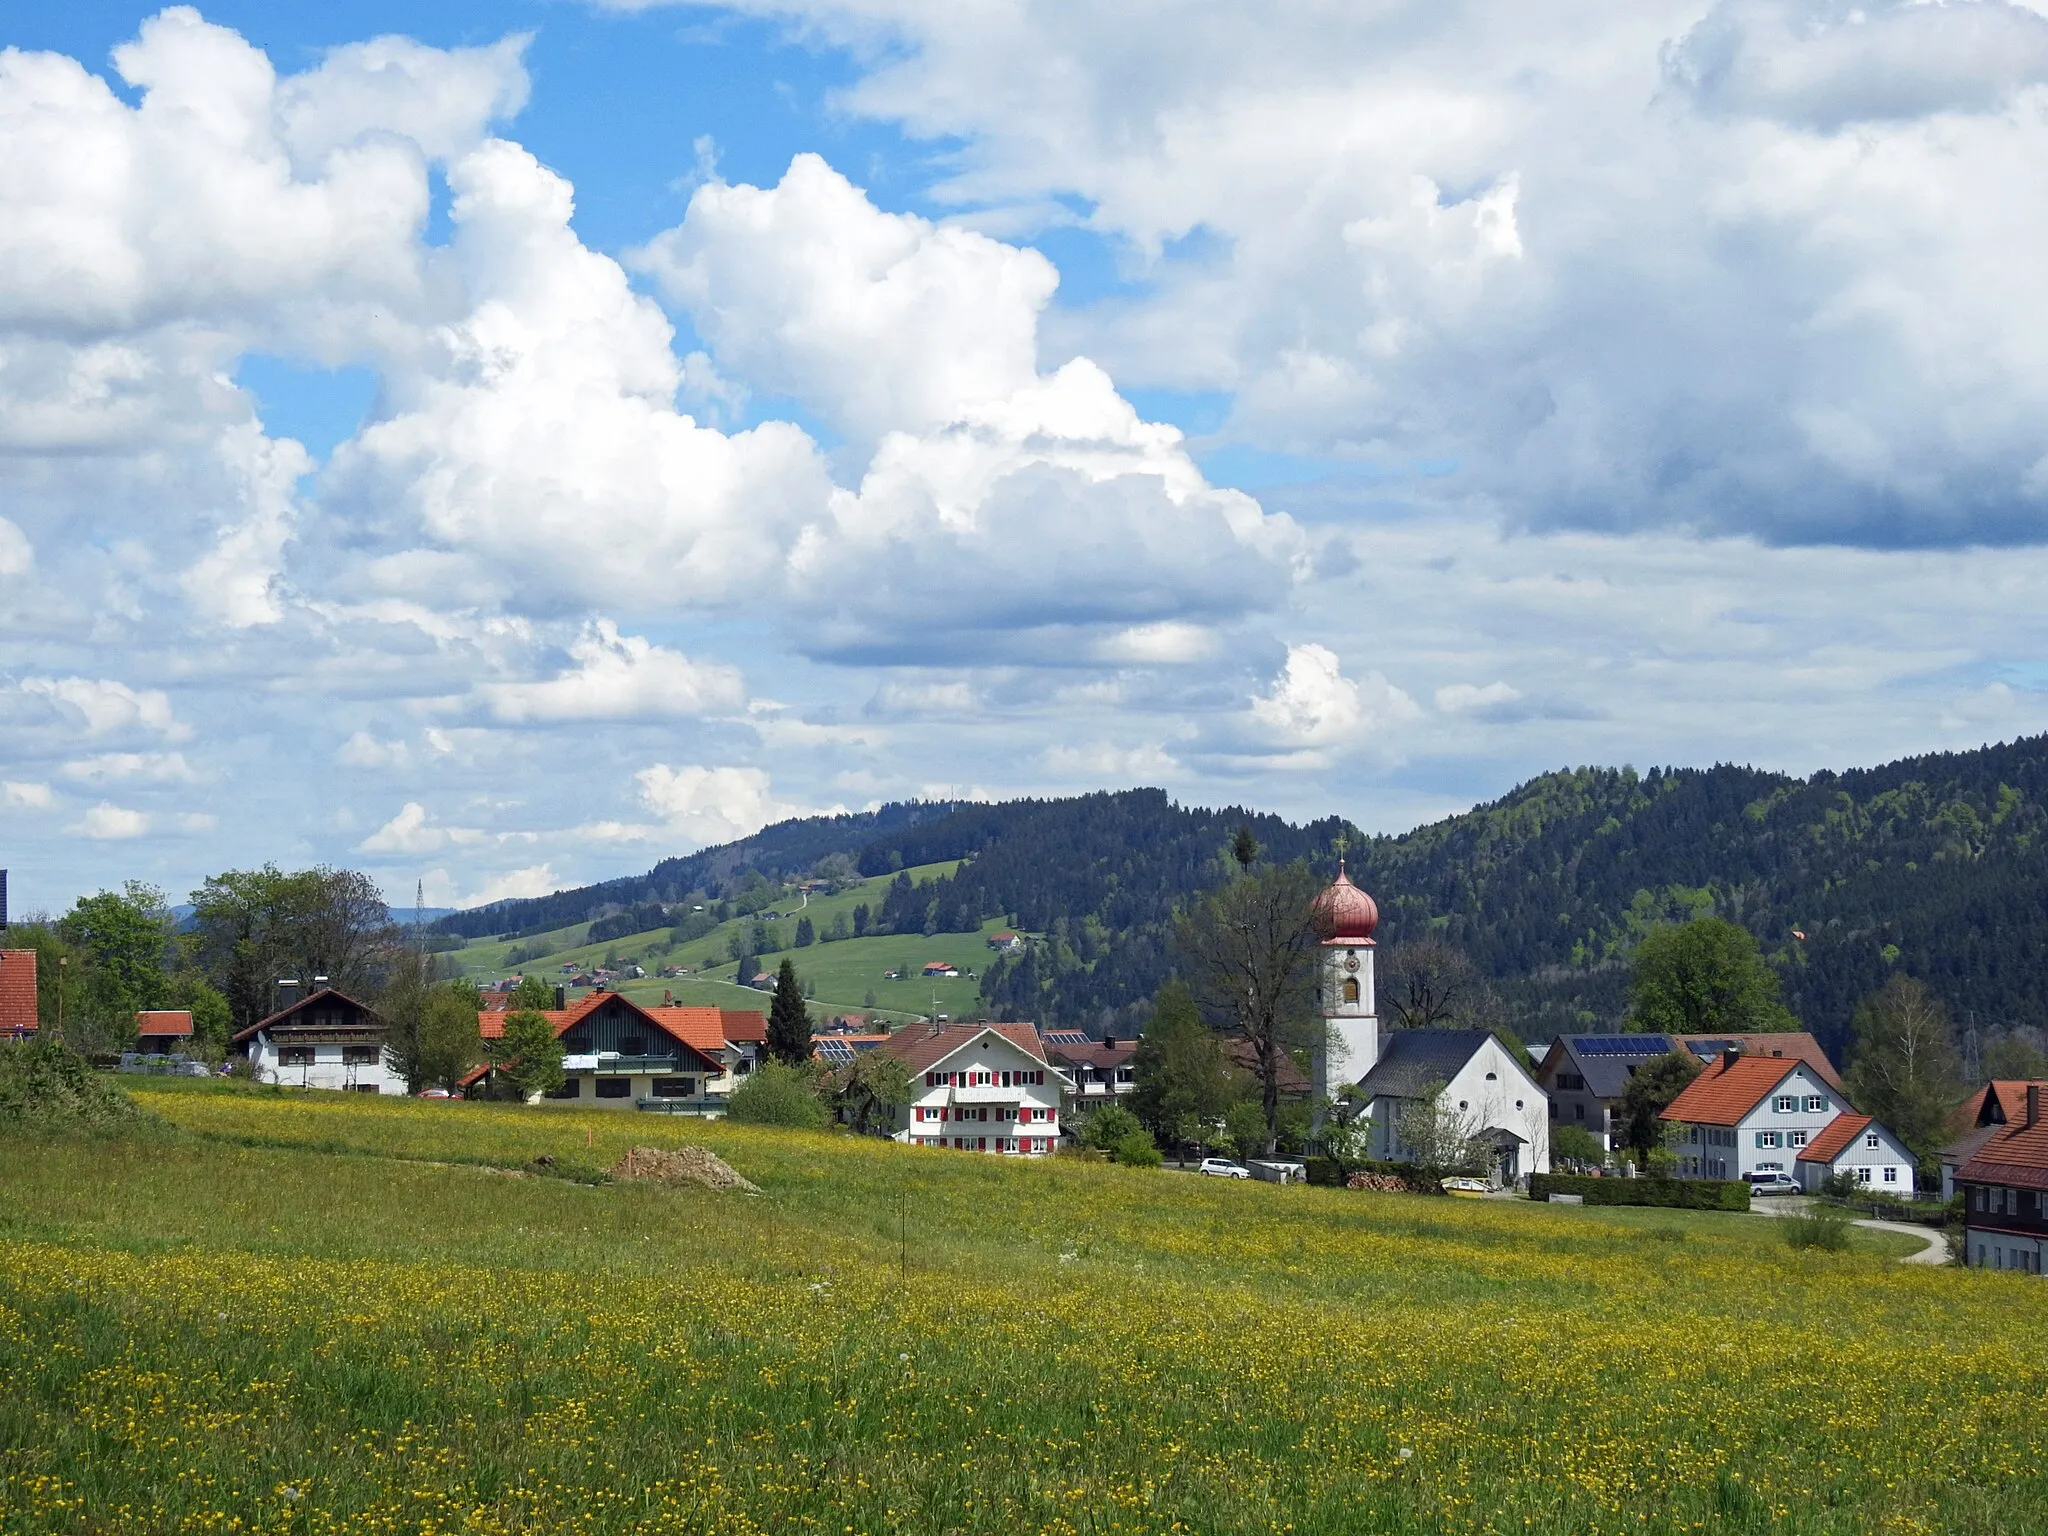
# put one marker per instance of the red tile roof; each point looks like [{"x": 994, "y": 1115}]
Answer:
[
  {"x": 1797, "y": 1045},
  {"x": 1837, "y": 1138},
  {"x": 921, "y": 1047},
  {"x": 1998, "y": 1102},
  {"x": 706, "y": 1030},
  {"x": 164, "y": 1021},
  {"x": 1096, "y": 1054},
  {"x": 17, "y": 991},
  {"x": 2016, "y": 1153},
  {"x": 1725, "y": 1091},
  {"x": 744, "y": 1026}
]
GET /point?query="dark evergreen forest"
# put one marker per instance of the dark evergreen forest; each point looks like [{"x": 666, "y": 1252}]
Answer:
[{"x": 1932, "y": 865}]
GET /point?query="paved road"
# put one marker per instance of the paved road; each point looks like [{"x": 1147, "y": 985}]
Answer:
[{"x": 1936, "y": 1251}]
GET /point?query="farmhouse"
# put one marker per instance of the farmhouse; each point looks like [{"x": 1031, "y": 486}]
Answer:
[
  {"x": 940, "y": 968},
  {"x": 326, "y": 1040},
  {"x": 17, "y": 993},
  {"x": 978, "y": 1088},
  {"x": 159, "y": 1031},
  {"x": 1584, "y": 1077},
  {"x": 2005, "y": 1191},
  {"x": 1789, "y": 1045},
  {"x": 619, "y": 1055},
  {"x": 1754, "y": 1114}
]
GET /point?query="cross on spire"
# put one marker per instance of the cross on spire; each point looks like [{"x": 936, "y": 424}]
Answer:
[{"x": 1341, "y": 843}]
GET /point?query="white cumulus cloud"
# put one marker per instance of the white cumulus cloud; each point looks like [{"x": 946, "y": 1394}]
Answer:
[
  {"x": 712, "y": 805},
  {"x": 619, "y": 677},
  {"x": 27, "y": 796},
  {"x": 413, "y": 830},
  {"x": 105, "y": 706},
  {"x": 1313, "y": 704},
  {"x": 112, "y": 823}
]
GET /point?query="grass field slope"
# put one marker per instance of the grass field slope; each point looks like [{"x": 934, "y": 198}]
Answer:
[{"x": 282, "y": 1312}]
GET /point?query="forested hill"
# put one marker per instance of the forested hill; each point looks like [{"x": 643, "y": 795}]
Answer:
[{"x": 1932, "y": 865}]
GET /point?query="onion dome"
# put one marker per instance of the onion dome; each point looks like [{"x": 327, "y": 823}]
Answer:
[{"x": 1344, "y": 914}]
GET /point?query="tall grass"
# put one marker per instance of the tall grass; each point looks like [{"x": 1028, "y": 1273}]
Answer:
[{"x": 310, "y": 1315}]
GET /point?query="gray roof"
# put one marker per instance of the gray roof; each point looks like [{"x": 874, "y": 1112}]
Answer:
[
  {"x": 1412, "y": 1059},
  {"x": 1605, "y": 1060}
]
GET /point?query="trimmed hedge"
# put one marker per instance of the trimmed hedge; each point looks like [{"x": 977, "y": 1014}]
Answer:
[{"x": 1689, "y": 1194}]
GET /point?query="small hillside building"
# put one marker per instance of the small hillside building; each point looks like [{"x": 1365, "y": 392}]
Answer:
[
  {"x": 978, "y": 1088},
  {"x": 326, "y": 1040}
]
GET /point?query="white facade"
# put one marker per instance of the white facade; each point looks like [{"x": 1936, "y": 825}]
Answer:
[
  {"x": 1874, "y": 1159},
  {"x": 988, "y": 1094},
  {"x": 351, "y": 1068},
  {"x": 1769, "y": 1138},
  {"x": 1351, "y": 1028},
  {"x": 1492, "y": 1091}
]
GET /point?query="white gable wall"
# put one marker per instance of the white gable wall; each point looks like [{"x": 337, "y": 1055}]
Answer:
[
  {"x": 973, "y": 1115},
  {"x": 1768, "y": 1138},
  {"x": 1492, "y": 1091},
  {"x": 1886, "y": 1167}
]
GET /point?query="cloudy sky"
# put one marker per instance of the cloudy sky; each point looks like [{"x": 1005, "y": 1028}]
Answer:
[{"x": 500, "y": 445}]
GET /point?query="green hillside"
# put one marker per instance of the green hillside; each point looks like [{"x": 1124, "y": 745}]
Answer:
[{"x": 1932, "y": 866}]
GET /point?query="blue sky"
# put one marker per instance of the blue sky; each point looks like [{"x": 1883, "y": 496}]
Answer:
[{"x": 1321, "y": 407}]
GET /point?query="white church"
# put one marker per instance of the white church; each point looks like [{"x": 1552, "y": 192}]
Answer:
[{"x": 1475, "y": 1078}]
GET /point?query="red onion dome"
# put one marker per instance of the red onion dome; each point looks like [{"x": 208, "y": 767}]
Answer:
[{"x": 1344, "y": 913}]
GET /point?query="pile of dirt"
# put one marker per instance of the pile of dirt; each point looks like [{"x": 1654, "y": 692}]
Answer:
[
  {"x": 44, "y": 1083},
  {"x": 682, "y": 1165}
]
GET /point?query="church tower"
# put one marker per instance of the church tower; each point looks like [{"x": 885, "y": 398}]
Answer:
[{"x": 1345, "y": 918}]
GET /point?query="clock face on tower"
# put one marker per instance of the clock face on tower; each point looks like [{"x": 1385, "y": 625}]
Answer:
[{"x": 1351, "y": 962}]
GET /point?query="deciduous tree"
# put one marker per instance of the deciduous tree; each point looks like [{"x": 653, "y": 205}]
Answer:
[
  {"x": 1249, "y": 955},
  {"x": 1638, "y": 1120},
  {"x": 529, "y": 1054},
  {"x": 1903, "y": 1069},
  {"x": 1704, "y": 977},
  {"x": 1181, "y": 1080}
]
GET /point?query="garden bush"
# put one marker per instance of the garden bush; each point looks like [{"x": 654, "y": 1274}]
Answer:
[
  {"x": 43, "y": 1082},
  {"x": 1683, "y": 1194},
  {"x": 778, "y": 1095}
]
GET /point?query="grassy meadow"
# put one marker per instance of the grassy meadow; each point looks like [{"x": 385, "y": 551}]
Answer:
[
  {"x": 315, "y": 1313},
  {"x": 842, "y": 974}
]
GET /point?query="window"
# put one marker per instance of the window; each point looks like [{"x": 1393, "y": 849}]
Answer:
[
  {"x": 1124, "y": 1075},
  {"x": 1816, "y": 1103},
  {"x": 1862, "y": 1175},
  {"x": 1350, "y": 989},
  {"x": 615, "y": 1087},
  {"x": 1493, "y": 1077},
  {"x": 632, "y": 1045},
  {"x": 1006, "y": 1080},
  {"x": 1785, "y": 1103},
  {"x": 295, "y": 1056},
  {"x": 572, "y": 1088},
  {"x": 675, "y": 1087},
  {"x": 1870, "y": 1141},
  {"x": 1891, "y": 1175},
  {"x": 1795, "y": 1138},
  {"x": 1768, "y": 1139},
  {"x": 366, "y": 1087},
  {"x": 1518, "y": 1103},
  {"x": 361, "y": 1055},
  {"x": 1579, "y": 1111}
]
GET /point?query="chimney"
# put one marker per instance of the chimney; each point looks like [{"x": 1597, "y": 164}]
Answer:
[
  {"x": 286, "y": 995},
  {"x": 319, "y": 985},
  {"x": 1730, "y": 1056},
  {"x": 561, "y": 1002},
  {"x": 1109, "y": 1042},
  {"x": 2033, "y": 1105}
]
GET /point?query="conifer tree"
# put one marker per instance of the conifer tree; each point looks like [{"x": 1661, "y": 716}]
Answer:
[{"x": 789, "y": 1021}]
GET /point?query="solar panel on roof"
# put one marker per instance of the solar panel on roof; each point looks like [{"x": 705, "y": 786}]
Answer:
[{"x": 1620, "y": 1045}]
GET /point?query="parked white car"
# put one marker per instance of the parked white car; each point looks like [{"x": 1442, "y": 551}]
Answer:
[
  {"x": 1773, "y": 1184},
  {"x": 1222, "y": 1168}
]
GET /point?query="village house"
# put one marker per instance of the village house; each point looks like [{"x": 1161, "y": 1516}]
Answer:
[
  {"x": 1748, "y": 1114},
  {"x": 617, "y": 1054},
  {"x": 935, "y": 969},
  {"x": 323, "y": 1040},
  {"x": 1005, "y": 942},
  {"x": 1975, "y": 1121},
  {"x": 978, "y": 1088},
  {"x": 17, "y": 993},
  {"x": 2005, "y": 1191},
  {"x": 1100, "y": 1070},
  {"x": 1584, "y": 1077},
  {"x": 1855, "y": 1147},
  {"x": 1789, "y": 1044},
  {"x": 159, "y": 1031}
]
